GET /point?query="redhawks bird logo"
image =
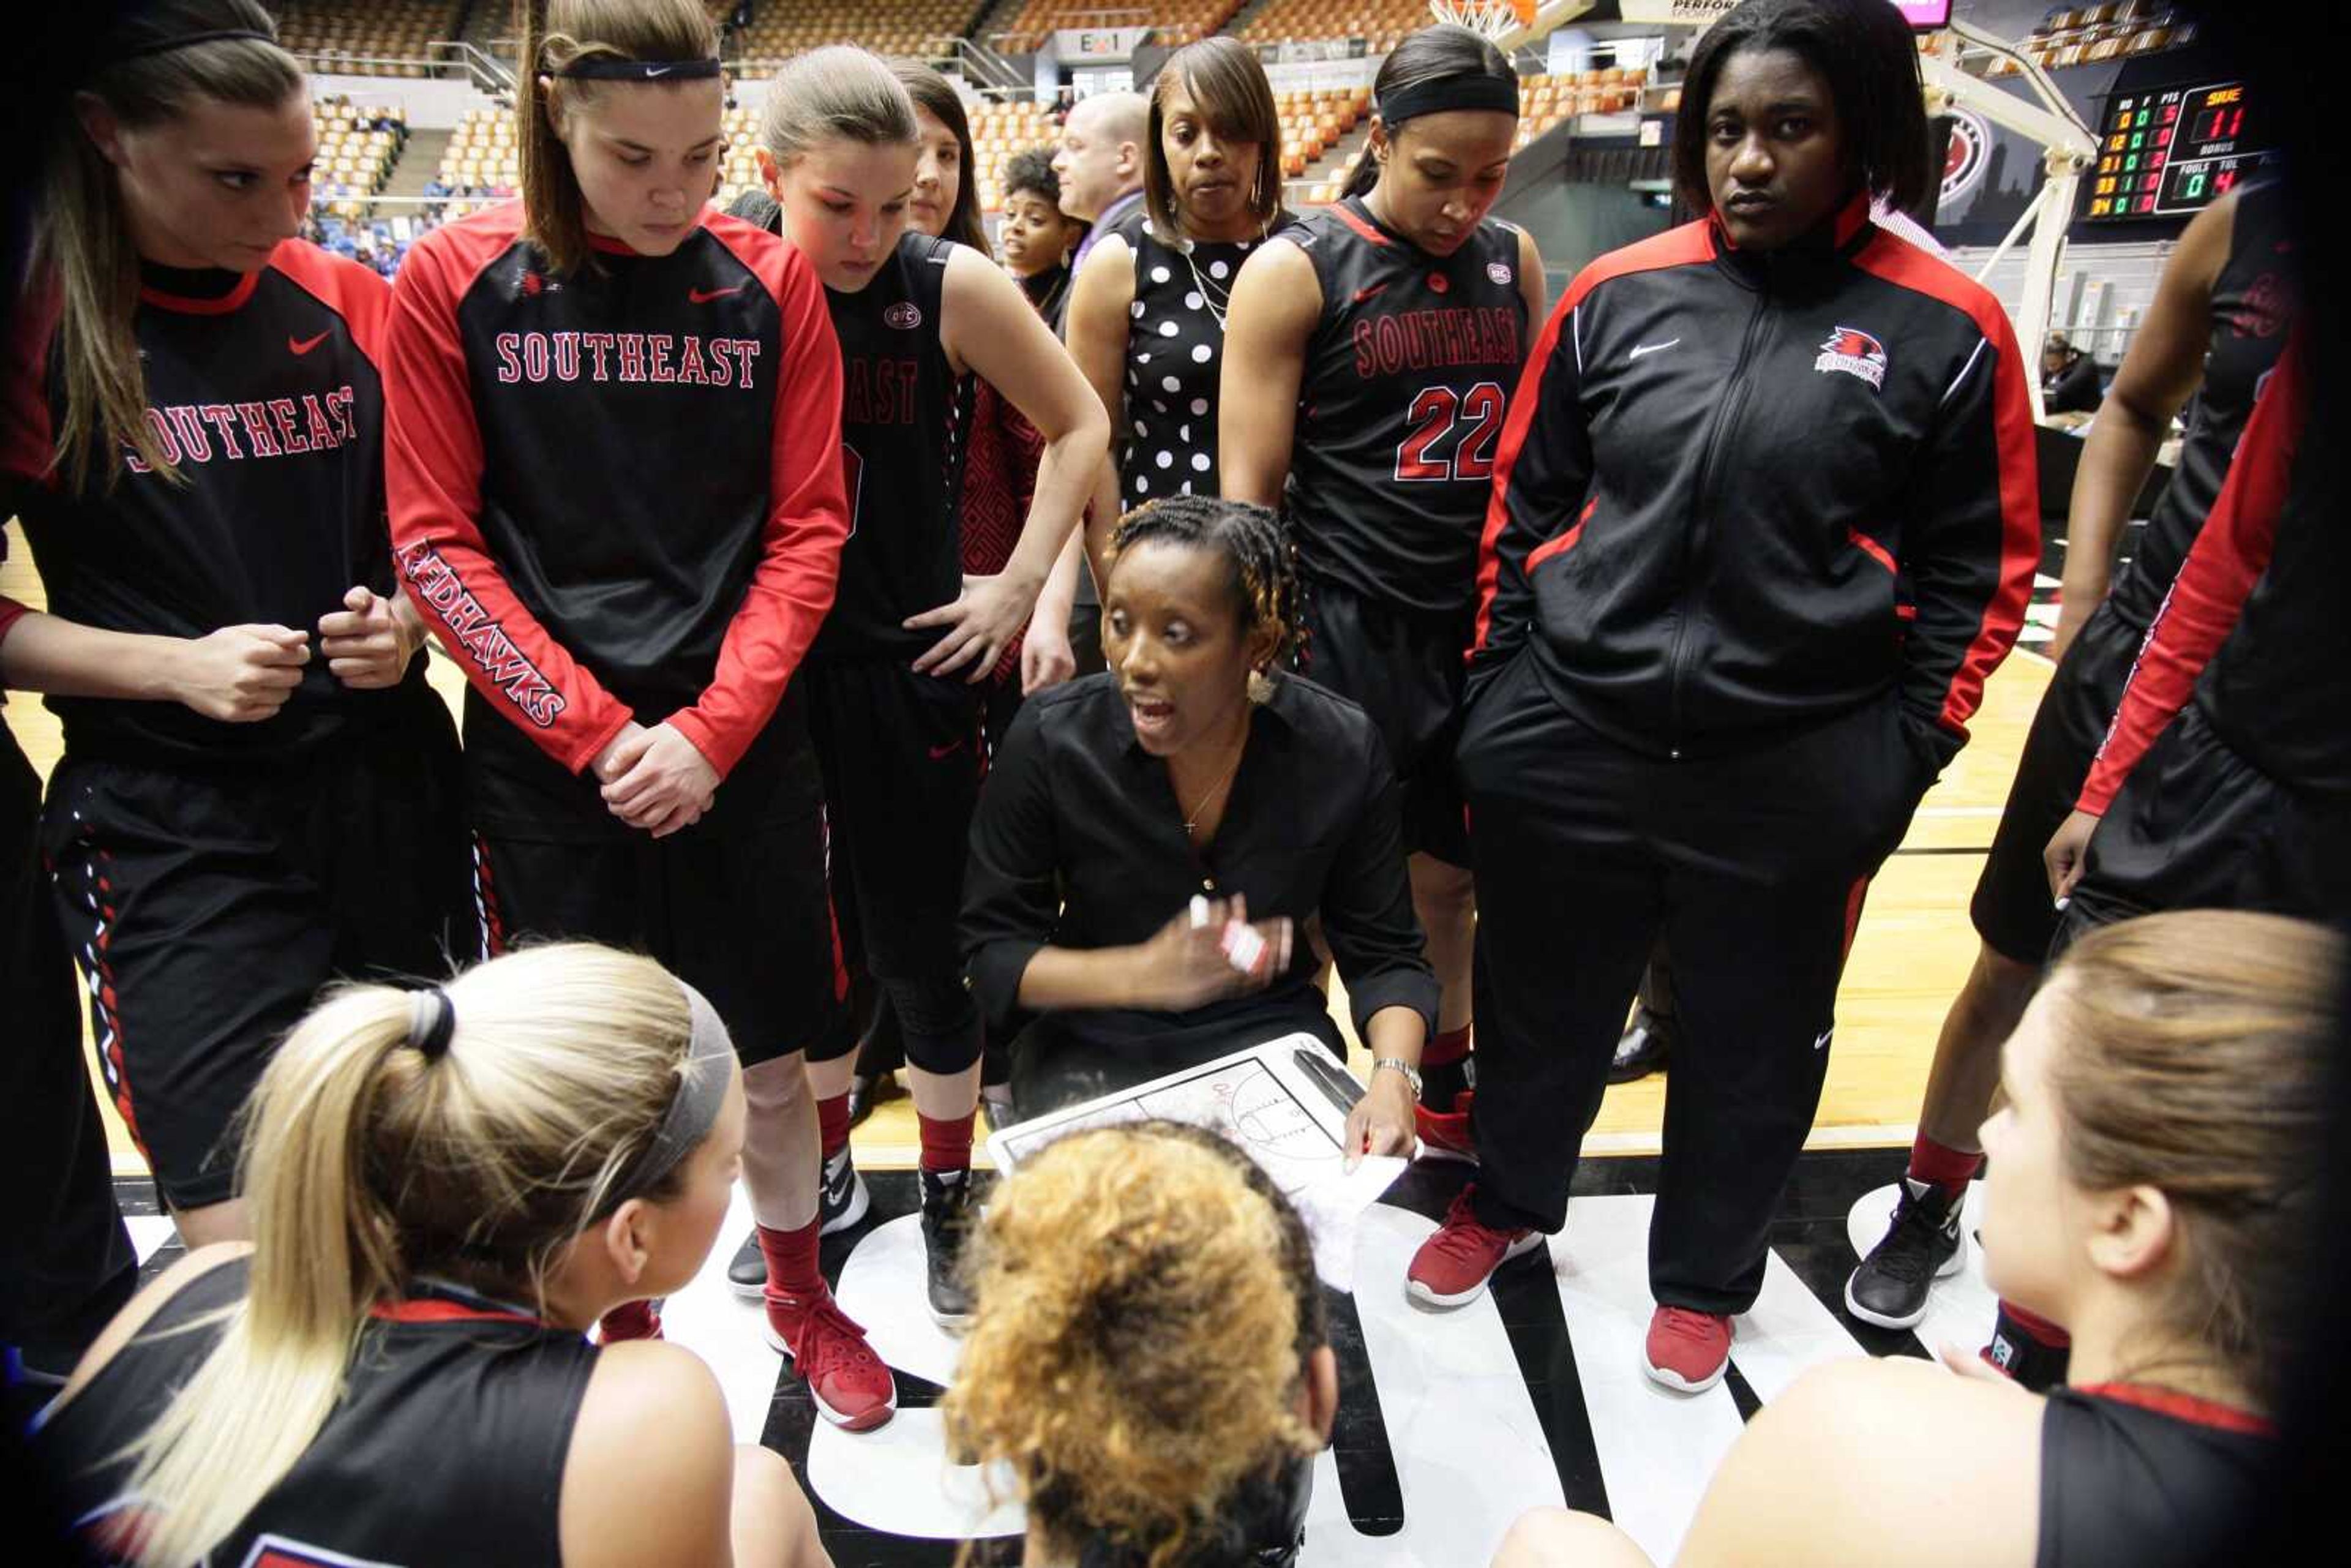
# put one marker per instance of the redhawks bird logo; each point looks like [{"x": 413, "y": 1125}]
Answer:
[{"x": 1856, "y": 353}]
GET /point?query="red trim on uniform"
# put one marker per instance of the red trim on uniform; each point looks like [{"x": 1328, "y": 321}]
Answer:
[
  {"x": 355, "y": 293},
  {"x": 227, "y": 303},
  {"x": 1903, "y": 265},
  {"x": 485, "y": 901},
  {"x": 28, "y": 442},
  {"x": 1905, "y": 613},
  {"x": 432, "y": 1309},
  {"x": 2222, "y": 566},
  {"x": 1873, "y": 550},
  {"x": 1355, "y": 221},
  {"x": 1550, "y": 548},
  {"x": 1684, "y": 246},
  {"x": 2183, "y": 1407},
  {"x": 1852, "y": 218},
  {"x": 1853, "y": 899}
]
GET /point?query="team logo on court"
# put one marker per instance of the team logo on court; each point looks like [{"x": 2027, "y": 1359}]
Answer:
[
  {"x": 1500, "y": 271},
  {"x": 1854, "y": 353},
  {"x": 905, "y": 316}
]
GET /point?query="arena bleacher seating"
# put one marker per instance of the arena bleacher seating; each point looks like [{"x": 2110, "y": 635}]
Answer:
[
  {"x": 1172, "y": 22},
  {"x": 379, "y": 37},
  {"x": 782, "y": 28},
  {"x": 2092, "y": 35},
  {"x": 358, "y": 145}
]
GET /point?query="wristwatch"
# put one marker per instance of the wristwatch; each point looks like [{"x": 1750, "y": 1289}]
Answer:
[{"x": 1411, "y": 1073}]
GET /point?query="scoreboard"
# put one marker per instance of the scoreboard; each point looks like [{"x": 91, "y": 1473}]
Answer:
[{"x": 2172, "y": 152}]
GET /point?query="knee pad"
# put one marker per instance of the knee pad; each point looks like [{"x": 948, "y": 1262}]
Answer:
[{"x": 938, "y": 1021}]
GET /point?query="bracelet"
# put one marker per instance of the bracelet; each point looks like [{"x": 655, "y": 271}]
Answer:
[{"x": 1411, "y": 1073}]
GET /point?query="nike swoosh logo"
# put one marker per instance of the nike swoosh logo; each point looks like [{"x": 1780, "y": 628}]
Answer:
[
  {"x": 939, "y": 752},
  {"x": 297, "y": 347},
  {"x": 652, "y": 71},
  {"x": 704, "y": 296},
  {"x": 1822, "y": 1043},
  {"x": 1364, "y": 294},
  {"x": 1651, "y": 349}
]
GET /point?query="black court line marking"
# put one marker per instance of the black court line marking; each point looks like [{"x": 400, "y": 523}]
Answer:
[
  {"x": 1955, "y": 849},
  {"x": 1741, "y": 1393}
]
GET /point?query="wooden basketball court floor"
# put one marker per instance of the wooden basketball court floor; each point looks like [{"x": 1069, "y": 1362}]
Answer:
[{"x": 1912, "y": 951}]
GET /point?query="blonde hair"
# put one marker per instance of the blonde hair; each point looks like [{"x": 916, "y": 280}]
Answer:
[
  {"x": 367, "y": 1164},
  {"x": 554, "y": 34},
  {"x": 1146, "y": 1302},
  {"x": 82, "y": 244},
  {"x": 2194, "y": 1059},
  {"x": 839, "y": 92}
]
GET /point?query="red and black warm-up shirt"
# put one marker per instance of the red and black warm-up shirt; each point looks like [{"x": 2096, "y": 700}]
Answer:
[
  {"x": 1739, "y": 493},
  {"x": 2253, "y": 631},
  {"x": 264, "y": 390},
  {"x": 615, "y": 494}
]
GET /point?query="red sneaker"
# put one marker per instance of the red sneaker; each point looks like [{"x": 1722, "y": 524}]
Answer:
[
  {"x": 1446, "y": 1136},
  {"x": 630, "y": 1320},
  {"x": 853, "y": 1387},
  {"x": 1687, "y": 1349},
  {"x": 1452, "y": 1267}
]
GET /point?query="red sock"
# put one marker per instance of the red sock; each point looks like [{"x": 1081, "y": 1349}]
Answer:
[
  {"x": 946, "y": 1144},
  {"x": 832, "y": 1124},
  {"x": 631, "y": 1320},
  {"x": 1445, "y": 1047},
  {"x": 1939, "y": 1164},
  {"x": 791, "y": 1261},
  {"x": 2041, "y": 1329}
]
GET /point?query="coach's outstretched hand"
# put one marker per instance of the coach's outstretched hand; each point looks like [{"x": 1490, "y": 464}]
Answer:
[
  {"x": 1191, "y": 961},
  {"x": 656, "y": 779},
  {"x": 369, "y": 641},
  {"x": 979, "y": 625},
  {"x": 240, "y": 675}
]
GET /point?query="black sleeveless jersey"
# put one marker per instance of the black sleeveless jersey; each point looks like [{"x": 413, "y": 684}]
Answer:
[
  {"x": 1175, "y": 352},
  {"x": 902, "y": 416},
  {"x": 266, "y": 391},
  {"x": 2252, "y": 306},
  {"x": 1408, "y": 374},
  {"x": 2136, "y": 1478},
  {"x": 446, "y": 1446}
]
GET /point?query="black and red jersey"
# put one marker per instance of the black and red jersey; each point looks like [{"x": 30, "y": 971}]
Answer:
[
  {"x": 615, "y": 494},
  {"x": 446, "y": 1443},
  {"x": 2252, "y": 308},
  {"x": 1401, "y": 406},
  {"x": 1742, "y": 493},
  {"x": 902, "y": 455},
  {"x": 265, "y": 390}
]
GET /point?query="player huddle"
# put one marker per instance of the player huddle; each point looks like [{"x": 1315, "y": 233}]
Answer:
[{"x": 1470, "y": 647}]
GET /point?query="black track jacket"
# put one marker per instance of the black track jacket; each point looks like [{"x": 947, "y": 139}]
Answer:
[{"x": 1739, "y": 494}]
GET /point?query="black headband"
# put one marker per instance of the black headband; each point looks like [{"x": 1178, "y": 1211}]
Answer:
[
  {"x": 1478, "y": 91},
  {"x": 613, "y": 68},
  {"x": 188, "y": 41}
]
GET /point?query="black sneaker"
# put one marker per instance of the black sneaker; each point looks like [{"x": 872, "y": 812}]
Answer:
[
  {"x": 1921, "y": 1246},
  {"x": 841, "y": 1205},
  {"x": 1647, "y": 1040},
  {"x": 864, "y": 1094},
  {"x": 946, "y": 1220}
]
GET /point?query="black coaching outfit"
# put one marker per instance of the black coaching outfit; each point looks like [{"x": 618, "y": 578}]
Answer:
[
  {"x": 210, "y": 877},
  {"x": 1407, "y": 377},
  {"x": 2251, "y": 306},
  {"x": 616, "y": 497},
  {"x": 1761, "y": 525},
  {"x": 447, "y": 1444}
]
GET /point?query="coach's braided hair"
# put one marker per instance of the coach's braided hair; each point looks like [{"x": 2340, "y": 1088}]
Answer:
[
  {"x": 1146, "y": 1304},
  {"x": 1266, "y": 591}
]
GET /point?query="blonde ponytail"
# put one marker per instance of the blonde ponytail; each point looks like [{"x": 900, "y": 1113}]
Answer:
[
  {"x": 82, "y": 247},
  {"x": 367, "y": 1164}
]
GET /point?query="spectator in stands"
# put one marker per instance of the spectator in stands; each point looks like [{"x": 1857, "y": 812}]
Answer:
[
  {"x": 1038, "y": 238},
  {"x": 2155, "y": 1173},
  {"x": 2069, "y": 378},
  {"x": 1150, "y": 1356},
  {"x": 449, "y": 1186}
]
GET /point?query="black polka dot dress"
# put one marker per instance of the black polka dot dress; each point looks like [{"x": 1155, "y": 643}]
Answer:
[{"x": 1175, "y": 352}]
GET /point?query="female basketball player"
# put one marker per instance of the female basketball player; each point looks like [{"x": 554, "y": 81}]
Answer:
[
  {"x": 1372, "y": 357},
  {"x": 1153, "y": 1258},
  {"x": 449, "y": 1186},
  {"x": 257, "y": 790},
  {"x": 1720, "y": 657},
  {"x": 897, "y": 673},
  {"x": 1148, "y": 310},
  {"x": 1190, "y": 778},
  {"x": 2155, "y": 1177},
  {"x": 616, "y": 494}
]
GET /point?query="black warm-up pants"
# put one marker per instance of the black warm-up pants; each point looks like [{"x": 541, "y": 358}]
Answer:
[{"x": 1752, "y": 867}]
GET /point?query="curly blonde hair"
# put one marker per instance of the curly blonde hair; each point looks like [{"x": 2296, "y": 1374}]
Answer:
[{"x": 1146, "y": 1301}]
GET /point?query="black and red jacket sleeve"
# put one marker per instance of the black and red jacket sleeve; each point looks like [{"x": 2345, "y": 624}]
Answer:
[
  {"x": 1971, "y": 515},
  {"x": 792, "y": 587},
  {"x": 1541, "y": 475},
  {"x": 433, "y": 479},
  {"x": 2227, "y": 558}
]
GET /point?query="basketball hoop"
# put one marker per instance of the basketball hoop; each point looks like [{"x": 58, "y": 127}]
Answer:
[{"x": 1497, "y": 19}]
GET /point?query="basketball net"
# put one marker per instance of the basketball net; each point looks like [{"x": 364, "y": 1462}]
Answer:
[{"x": 1497, "y": 19}]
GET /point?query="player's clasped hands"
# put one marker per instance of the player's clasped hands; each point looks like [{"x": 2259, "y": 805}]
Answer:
[
  {"x": 978, "y": 627},
  {"x": 656, "y": 779},
  {"x": 1209, "y": 951},
  {"x": 241, "y": 675}
]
